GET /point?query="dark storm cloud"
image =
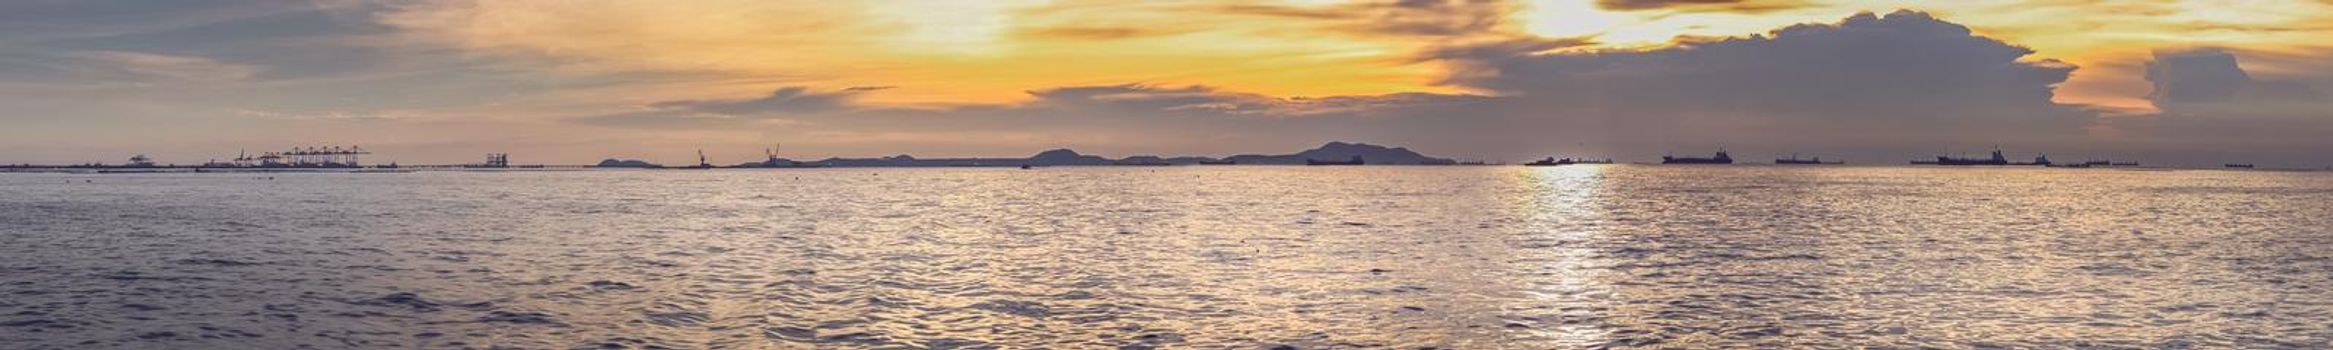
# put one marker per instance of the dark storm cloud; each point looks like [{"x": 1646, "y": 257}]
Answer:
[
  {"x": 2209, "y": 81},
  {"x": 1905, "y": 77},
  {"x": 2200, "y": 76},
  {"x": 1905, "y": 57}
]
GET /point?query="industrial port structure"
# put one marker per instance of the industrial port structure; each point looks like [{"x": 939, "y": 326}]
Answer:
[{"x": 305, "y": 157}]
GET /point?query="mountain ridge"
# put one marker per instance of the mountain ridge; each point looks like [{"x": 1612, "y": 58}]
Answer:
[{"x": 1331, "y": 151}]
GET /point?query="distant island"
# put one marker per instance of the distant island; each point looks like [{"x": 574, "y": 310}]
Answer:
[{"x": 1333, "y": 151}]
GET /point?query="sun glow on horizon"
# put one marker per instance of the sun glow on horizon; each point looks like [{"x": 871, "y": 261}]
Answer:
[{"x": 991, "y": 52}]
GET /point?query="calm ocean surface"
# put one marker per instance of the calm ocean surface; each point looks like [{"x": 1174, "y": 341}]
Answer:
[{"x": 1621, "y": 256}]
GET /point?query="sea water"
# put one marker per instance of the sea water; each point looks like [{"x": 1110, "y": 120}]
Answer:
[{"x": 1610, "y": 256}]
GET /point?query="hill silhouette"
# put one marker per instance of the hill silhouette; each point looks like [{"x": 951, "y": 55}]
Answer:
[
  {"x": 1373, "y": 154},
  {"x": 1340, "y": 151}
]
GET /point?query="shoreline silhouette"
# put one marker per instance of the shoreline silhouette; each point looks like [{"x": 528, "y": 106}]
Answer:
[{"x": 333, "y": 159}]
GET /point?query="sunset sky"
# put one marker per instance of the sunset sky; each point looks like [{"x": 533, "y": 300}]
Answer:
[{"x": 571, "y": 82}]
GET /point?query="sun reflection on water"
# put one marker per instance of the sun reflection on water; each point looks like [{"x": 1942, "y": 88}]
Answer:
[{"x": 1561, "y": 213}]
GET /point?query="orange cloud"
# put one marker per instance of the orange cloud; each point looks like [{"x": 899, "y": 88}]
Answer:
[
  {"x": 984, "y": 54},
  {"x": 952, "y": 54}
]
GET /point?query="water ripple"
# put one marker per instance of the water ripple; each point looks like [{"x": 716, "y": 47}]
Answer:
[{"x": 1604, "y": 257}]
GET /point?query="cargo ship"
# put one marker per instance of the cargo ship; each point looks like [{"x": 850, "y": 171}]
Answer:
[
  {"x": 1815, "y": 161},
  {"x": 1720, "y": 158},
  {"x": 1997, "y": 159}
]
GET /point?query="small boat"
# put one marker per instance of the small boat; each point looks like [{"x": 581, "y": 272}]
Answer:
[
  {"x": 2238, "y": 165},
  {"x": 1356, "y": 160},
  {"x": 1720, "y": 158},
  {"x": 1027, "y": 167}
]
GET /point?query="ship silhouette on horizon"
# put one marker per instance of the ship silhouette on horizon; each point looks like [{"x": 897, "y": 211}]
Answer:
[
  {"x": 1996, "y": 159},
  {"x": 1551, "y": 161},
  {"x": 1815, "y": 161},
  {"x": 1329, "y": 154},
  {"x": 1720, "y": 158}
]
